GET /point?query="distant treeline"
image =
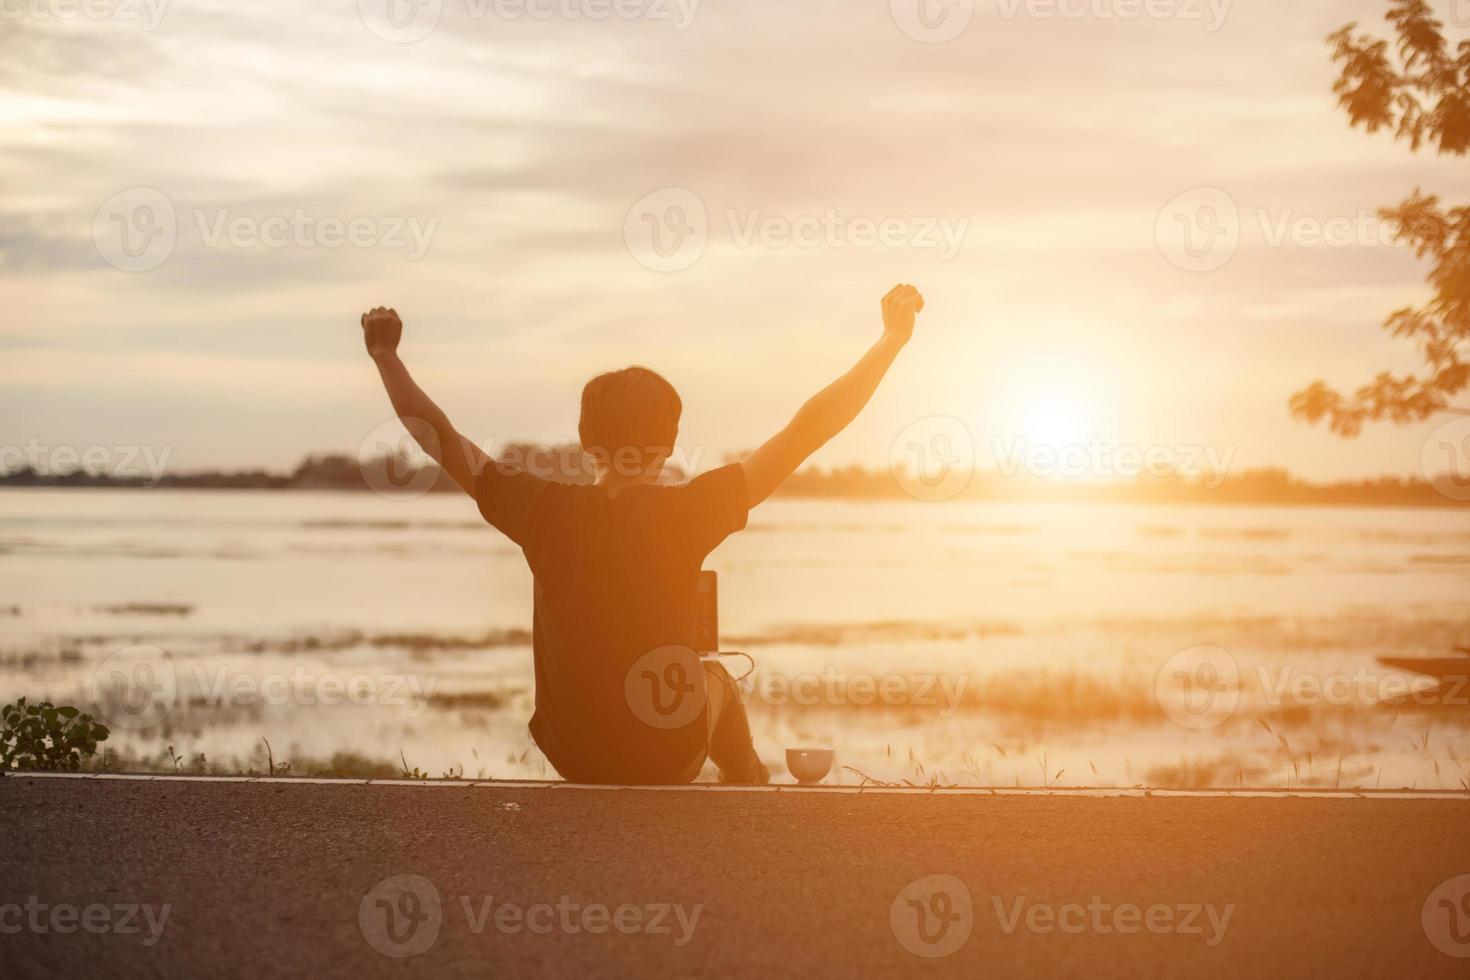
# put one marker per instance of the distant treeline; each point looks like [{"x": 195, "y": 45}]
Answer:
[
  {"x": 568, "y": 465},
  {"x": 1260, "y": 486}
]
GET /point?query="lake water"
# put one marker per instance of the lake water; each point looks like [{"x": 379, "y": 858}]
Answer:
[{"x": 963, "y": 643}]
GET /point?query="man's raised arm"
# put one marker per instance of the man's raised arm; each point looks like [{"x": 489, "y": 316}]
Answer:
[
  {"x": 425, "y": 421},
  {"x": 831, "y": 409}
]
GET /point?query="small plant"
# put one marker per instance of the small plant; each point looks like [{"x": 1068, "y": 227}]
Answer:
[
  {"x": 272, "y": 768},
  {"x": 415, "y": 773},
  {"x": 46, "y": 737}
]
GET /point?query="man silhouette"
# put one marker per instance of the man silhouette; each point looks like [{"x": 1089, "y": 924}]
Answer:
[{"x": 616, "y": 564}]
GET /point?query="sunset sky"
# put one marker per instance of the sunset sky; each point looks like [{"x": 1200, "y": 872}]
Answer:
[{"x": 517, "y": 147}]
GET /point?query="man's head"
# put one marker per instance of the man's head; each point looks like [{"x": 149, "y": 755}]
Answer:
[{"x": 630, "y": 419}]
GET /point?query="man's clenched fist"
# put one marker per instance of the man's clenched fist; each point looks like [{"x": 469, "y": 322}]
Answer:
[
  {"x": 900, "y": 306},
  {"x": 381, "y": 330}
]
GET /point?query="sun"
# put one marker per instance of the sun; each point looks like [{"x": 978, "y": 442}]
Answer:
[
  {"x": 1055, "y": 397},
  {"x": 1057, "y": 416}
]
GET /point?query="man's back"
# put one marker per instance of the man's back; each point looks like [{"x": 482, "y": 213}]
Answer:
[{"x": 616, "y": 576}]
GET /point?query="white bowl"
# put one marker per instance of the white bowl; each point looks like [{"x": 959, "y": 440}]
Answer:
[{"x": 809, "y": 766}]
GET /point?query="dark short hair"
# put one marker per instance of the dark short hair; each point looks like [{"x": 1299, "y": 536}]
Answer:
[{"x": 632, "y": 409}]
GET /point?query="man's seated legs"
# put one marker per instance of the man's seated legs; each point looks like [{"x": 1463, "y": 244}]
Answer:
[{"x": 730, "y": 744}]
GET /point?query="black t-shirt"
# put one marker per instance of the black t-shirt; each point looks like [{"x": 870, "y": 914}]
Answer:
[{"x": 616, "y": 578}]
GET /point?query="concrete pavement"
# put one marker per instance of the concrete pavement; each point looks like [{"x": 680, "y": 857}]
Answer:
[{"x": 246, "y": 878}]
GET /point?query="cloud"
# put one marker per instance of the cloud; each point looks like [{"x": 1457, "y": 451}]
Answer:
[{"x": 526, "y": 142}]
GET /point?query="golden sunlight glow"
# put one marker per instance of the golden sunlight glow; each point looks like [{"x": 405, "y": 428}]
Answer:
[
  {"x": 1056, "y": 417},
  {"x": 1054, "y": 398}
]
